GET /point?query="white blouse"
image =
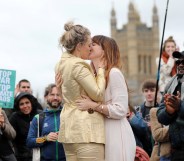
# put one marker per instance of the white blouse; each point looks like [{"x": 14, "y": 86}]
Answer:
[{"x": 120, "y": 142}]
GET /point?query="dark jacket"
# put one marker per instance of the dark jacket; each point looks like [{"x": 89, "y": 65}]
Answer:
[
  {"x": 147, "y": 141},
  {"x": 139, "y": 127},
  {"x": 21, "y": 123},
  {"x": 175, "y": 121},
  {"x": 49, "y": 150},
  {"x": 176, "y": 125}
]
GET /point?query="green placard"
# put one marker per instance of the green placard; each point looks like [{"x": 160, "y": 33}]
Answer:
[{"x": 7, "y": 87}]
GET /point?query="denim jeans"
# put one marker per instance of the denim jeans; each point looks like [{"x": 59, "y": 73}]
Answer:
[{"x": 165, "y": 158}]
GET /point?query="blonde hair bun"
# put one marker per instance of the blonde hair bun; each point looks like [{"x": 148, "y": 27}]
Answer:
[
  {"x": 68, "y": 26},
  {"x": 170, "y": 38}
]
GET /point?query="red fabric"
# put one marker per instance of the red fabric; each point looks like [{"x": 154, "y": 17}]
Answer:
[
  {"x": 141, "y": 155},
  {"x": 165, "y": 58}
]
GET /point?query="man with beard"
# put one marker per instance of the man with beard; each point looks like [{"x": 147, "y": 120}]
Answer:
[
  {"x": 171, "y": 111},
  {"x": 49, "y": 122}
]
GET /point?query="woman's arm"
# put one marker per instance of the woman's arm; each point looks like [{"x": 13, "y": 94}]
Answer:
[
  {"x": 86, "y": 103},
  {"x": 94, "y": 87},
  {"x": 138, "y": 124},
  {"x": 159, "y": 132},
  {"x": 32, "y": 139},
  {"x": 118, "y": 106},
  {"x": 7, "y": 128}
]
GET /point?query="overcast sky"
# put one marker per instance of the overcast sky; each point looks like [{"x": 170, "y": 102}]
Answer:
[{"x": 30, "y": 29}]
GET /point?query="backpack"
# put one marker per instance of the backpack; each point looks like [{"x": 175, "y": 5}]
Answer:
[{"x": 141, "y": 154}]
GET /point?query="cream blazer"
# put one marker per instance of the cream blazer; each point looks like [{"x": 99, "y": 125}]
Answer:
[{"x": 78, "y": 126}]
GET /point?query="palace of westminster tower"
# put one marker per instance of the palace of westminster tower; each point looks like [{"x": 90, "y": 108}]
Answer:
[{"x": 139, "y": 47}]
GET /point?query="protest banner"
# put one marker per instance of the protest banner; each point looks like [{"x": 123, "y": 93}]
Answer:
[{"x": 7, "y": 87}]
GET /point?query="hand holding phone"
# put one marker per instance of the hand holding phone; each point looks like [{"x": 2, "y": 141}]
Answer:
[{"x": 172, "y": 102}]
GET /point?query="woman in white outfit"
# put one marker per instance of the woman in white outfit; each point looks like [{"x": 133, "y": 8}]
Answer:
[
  {"x": 168, "y": 66},
  {"x": 120, "y": 142}
]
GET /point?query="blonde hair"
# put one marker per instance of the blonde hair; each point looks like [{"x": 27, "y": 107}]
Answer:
[
  {"x": 73, "y": 35},
  {"x": 169, "y": 39}
]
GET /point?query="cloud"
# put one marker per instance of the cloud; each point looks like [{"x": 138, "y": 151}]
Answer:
[{"x": 30, "y": 30}]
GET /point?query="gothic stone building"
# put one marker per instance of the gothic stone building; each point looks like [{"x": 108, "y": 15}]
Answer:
[{"x": 139, "y": 47}]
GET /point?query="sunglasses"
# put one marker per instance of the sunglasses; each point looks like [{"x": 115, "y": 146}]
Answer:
[{"x": 178, "y": 62}]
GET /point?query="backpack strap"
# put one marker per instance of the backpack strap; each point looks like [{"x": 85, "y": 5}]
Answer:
[
  {"x": 143, "y": 110},
  {"x": 41, "y": 120}
]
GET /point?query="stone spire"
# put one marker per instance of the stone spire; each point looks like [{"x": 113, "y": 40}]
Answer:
[
  {"x": 133, "y": 15},
  {"x": 113, "y": 21},
  {"x": 155, "y": 16}
]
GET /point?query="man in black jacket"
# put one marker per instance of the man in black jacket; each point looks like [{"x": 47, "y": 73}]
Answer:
[{"x": 171, "y": 111}]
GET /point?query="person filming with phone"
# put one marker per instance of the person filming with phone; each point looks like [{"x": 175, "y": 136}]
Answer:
[{"x": 171, "y": 109}]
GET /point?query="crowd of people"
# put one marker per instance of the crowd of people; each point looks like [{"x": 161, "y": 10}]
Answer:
[{"x": 88, "y": 114}]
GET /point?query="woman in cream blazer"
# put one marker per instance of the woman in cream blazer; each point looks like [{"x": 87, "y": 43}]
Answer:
[{"x": 81, "y": 132}]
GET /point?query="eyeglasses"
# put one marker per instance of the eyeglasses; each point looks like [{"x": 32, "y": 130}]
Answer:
[{"x": 178, "y": 62}]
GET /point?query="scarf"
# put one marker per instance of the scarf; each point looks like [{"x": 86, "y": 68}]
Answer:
[
  {"x": 165, "y": 58},
  {"x": 174, "y": 84}
]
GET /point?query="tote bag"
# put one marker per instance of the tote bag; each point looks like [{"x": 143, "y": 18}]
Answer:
[
  {"x": 36, "y": 151},
  {"x": 36, "y": 154}
]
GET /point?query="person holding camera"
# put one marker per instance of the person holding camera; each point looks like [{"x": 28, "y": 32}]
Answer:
[{"x": 171, "y": 109}]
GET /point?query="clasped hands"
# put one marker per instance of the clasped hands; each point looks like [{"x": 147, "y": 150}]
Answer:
[
  {"x": 85, "y": 103},
  {"x": 52, "y": 136},
  {"x": 172, "y": 102}
]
